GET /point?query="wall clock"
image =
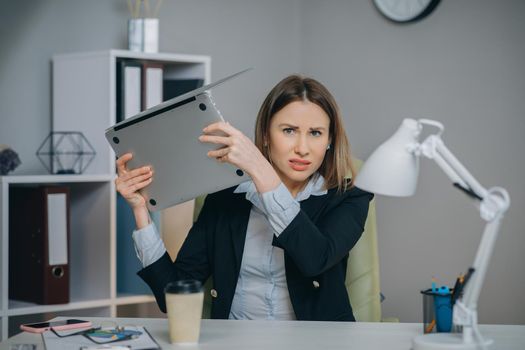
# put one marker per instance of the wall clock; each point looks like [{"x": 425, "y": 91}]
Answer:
[{"x": 404, "y": 11}]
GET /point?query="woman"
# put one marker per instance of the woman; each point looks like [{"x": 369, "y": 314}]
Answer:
[{"x": 275, "y": 246}]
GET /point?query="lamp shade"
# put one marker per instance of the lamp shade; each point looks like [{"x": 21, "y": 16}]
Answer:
[{"x": 393, "y": 168}]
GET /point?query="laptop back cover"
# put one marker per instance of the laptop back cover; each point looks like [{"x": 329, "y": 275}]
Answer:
[{"x": 166, "y": 138}]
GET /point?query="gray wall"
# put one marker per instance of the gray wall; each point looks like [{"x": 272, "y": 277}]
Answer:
[
  {"x": 236, "y": 34},
  {"x": 462, "y": 66}
]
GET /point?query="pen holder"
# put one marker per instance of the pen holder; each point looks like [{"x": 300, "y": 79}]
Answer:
[{"x": 437, "y": 311}]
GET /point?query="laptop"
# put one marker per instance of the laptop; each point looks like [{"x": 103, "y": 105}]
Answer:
[{"x": 165, "y": 137}]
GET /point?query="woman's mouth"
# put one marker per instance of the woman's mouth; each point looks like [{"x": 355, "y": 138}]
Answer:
[{"x": 299, "y": 164}]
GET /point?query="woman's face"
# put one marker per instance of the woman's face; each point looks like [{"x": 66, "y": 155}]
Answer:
[{"x": 299, "y": 136}]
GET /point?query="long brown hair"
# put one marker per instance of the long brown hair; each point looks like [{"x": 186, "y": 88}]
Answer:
[{"x": 337, "y": 162}]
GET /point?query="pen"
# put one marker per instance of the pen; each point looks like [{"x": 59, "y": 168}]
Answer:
[
  {"x": 81, "y": 332},
  {"x": 430, "y": 326},
  {"x": 455, "y": 291},
  {"x": 434, "y": 288}
]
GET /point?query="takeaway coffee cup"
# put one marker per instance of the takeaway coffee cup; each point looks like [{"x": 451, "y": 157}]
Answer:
[{"x": 184, "y": 306}]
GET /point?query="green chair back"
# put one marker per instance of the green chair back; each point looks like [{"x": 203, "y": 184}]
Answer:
[{"x": 362, "y": 272}]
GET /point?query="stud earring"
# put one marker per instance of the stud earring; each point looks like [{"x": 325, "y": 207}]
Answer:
[{"x": 327, "y": 148}]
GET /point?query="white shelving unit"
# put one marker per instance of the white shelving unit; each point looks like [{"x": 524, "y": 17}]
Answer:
[
  {"x": 84, "y": 99},
  {"x": 85, "y": 93},
  {"x": 92, "y": 250}
]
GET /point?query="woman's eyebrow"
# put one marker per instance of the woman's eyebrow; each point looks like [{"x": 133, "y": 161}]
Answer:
[
  {"x": 322, "y": 128},
  {"x": 288, "y": 125}
]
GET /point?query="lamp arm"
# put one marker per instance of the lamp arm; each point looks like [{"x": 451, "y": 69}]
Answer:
[
  {"x": 481, "y": 262},
  {"x": 494, "y": 203},
  {"x": 465, "y": 310},
  {"x": 434, "y": 148}
]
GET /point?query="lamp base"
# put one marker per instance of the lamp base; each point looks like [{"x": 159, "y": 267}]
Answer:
[{"x": 440, "y": 341}]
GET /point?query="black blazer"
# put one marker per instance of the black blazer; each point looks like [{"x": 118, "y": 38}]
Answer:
[{"x": 316, "y": 246}]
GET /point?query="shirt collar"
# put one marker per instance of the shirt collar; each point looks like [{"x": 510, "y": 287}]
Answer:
[{"x": 315, "y": 187}]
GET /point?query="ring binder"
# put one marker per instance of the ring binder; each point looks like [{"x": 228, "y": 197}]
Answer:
[{"x": 39, "y": 244}]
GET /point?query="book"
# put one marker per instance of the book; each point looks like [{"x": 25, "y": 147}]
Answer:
[
  {"x": 152, "y": 87},
  {"x": 129, "y": 88}
]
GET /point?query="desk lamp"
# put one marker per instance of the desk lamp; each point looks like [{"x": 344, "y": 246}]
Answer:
[{"x": 393, "y": 169}]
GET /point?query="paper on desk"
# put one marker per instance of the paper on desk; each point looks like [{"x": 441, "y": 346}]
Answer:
[{"x": 52, "y": 342}]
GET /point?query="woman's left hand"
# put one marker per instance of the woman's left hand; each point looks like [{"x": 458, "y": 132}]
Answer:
[
  {"x": 241, "y": 152},
  {"x": 237, "y": 149}
]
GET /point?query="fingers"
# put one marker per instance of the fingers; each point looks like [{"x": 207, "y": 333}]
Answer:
[
  {"x": 228, "y": 135},
  {"x": 138, "y": 179},
  {"x": 125, "y": 183},
  {"x": 129, "y": 188},
  {"x": 220, "y": 140},
  {"x": 221, "y": 126},
  {"x": 136, "y": 187},
  {"x": 219, "y": 153},
  {"x": 135, "y": 172},
  {"x": 121, "y": 163}
]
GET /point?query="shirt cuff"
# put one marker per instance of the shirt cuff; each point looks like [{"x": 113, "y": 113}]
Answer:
[
  {"x": 280, "y": 208},
  {"x": 149, "y": 247}
]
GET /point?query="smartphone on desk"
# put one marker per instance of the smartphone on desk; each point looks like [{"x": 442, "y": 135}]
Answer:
[
  {"x": 106, "y": 347},
  {"x": 56, "y": 325}
]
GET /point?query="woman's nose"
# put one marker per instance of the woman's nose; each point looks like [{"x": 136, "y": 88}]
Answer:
[{"x": 301, "y": 147}]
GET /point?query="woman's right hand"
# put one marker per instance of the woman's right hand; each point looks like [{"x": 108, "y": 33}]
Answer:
[{"x": 129, "y": 182}]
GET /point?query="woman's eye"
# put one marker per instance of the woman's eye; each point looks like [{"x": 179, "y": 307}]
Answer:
[
  {"x": 316, "y": 133},
  {"x": 288, "y": 131}
]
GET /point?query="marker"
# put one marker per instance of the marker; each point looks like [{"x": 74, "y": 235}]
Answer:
[
  {"x": 455, "y": 291},
  {"x": 463, "y": 281},
  {"x": 468, "y": 275}
]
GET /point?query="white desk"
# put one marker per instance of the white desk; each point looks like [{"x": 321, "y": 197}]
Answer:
[{"x": 289, "y": 335}]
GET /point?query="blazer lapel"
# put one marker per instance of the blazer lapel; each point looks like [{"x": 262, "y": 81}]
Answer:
[{"x": 240, "y": 215}]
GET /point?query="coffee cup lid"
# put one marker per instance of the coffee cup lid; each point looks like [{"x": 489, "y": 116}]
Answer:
[{"x": 183, "y": 287}]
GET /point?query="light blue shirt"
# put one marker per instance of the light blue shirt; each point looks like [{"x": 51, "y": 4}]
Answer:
[{"x": 262, "y": 290}]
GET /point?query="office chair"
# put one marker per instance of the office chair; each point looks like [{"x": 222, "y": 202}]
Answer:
[
  {"x": 362, "y": 274},
  {"x": 362, "y": 271}
]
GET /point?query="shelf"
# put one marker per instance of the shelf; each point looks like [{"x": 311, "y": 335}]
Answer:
[
  {"x": 24, "y": 308},
  {"x": 89, "y": 79},
  {"x": 32, "y": 179},
  {"x": 172, "y": 58},
  {"x": 124, "y": 299}
]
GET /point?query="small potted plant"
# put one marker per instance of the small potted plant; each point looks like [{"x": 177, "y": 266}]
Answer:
[
  {"x": 143, "y": 27},
  {"x": 8, "y": 160}
]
